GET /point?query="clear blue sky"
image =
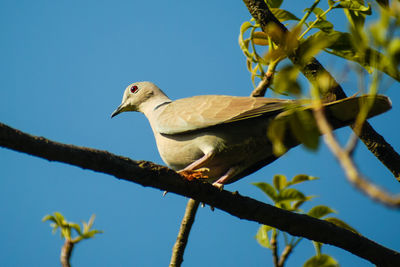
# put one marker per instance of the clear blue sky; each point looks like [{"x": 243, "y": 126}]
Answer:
[{"x": 64, "y": 66}]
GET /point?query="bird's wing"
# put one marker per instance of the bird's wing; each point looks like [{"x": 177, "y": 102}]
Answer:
[{"x": 198, "y": 112}]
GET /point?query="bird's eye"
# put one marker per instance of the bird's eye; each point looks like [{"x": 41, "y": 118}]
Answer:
[{"x": 134, "y": 88}]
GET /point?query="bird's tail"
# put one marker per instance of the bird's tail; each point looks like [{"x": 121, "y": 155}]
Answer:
[
  {"x": 344, "y": 112},
  {"x": 290, "y": 129}
]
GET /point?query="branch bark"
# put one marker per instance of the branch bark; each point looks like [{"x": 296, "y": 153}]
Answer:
[
  {"x": 285, "y": 254},
  {"x": 274, "y": 248},
  {"x": 312, "y": 70},
  {"x": 152, "y": 175},
  {"x": 184, "y": 231},
  {"x": 66, "y": 252}
]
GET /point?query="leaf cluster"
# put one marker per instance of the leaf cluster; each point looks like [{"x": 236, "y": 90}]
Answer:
[
  {"x": 373, "y": 47},
  {"x": 284, "y": 196},
  {"x": 58, "y": 221}
]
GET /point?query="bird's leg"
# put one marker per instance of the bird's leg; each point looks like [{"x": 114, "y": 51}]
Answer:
[
  {"x": 194, "y": 170},
  {"x": 225, "y": 178},
  {"x": 200, "y": 162}
]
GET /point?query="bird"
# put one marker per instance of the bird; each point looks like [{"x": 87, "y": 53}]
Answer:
[{"x": 224, "y": 138}]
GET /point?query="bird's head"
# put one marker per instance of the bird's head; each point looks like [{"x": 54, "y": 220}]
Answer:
[{"x": 139, "y": 95}]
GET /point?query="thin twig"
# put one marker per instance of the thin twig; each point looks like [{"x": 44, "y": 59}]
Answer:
[
  {"x": 352, "y": 173},
  {"x": 266, "y": 81},
  {"x": 66, "y": 252},
  {"x": 184, "y": 231},
  {"x": 274, "y": 247},
  {"x": 285, "y": 254}
]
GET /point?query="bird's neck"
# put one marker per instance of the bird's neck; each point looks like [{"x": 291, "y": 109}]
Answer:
[{"x": 154, "y": 106}]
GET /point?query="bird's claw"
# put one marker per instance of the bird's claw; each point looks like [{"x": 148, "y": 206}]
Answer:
[
  {"x": 218, "y": 185},
  {"x": 190, "y": 175}
]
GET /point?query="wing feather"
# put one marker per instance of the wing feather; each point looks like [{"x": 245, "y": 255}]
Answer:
[{"x": 199, "y": 112}]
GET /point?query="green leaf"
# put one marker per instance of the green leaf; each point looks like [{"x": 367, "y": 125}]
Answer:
[
  {"x": 268, "y": 189},
  {"x": 355, "y": 6},
  {"x": 320, "y": 211},
  {"x": 342, "y": 224},
  {"x": 245, "y": 26},
  {"x": 323, "y": 25},
  {"x": 66, "y": 232},
  {"x": 274, "y": 3},
  {"x": 276, "y": 133},
  {"x": 91, "y": 221},
  {"x": 304, "y": 128},
  {"x": 368, "y": 59},
  {"x": 290, "y": 194},
  {"x": 260, "y": 38},
  {"x": 296, "y": 205},
  {"x": 317, "y": 11},
  {"x": 76, "y": 227},
  {"x": 315, "y": 43},
  {"x": 279, "y": 181},
  {"x": 60, "y": 220},
  {"x": 254, "y": 73},
  {"x": 355, "y": 11},
  {"x": 283, "y": 15},
  {"x": 322, "y": 260},
  {"x": 49, "y": 218},
  {"x": 91, "y": 234},
  {"x": 301, "y": 178},
  {"x": 262, "y": 236},
  {"x": 285, "y": 80},
  {"x": 242, "y": 43},
  {"x": 340, "y": 40}
]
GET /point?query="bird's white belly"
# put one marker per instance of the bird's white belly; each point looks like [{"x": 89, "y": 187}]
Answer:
[
  {"x": 242, "y": 148},
  {"x": 180, "y": 151}
]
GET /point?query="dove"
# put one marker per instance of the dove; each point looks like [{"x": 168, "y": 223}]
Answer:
[{"x": 224, "y": 138}]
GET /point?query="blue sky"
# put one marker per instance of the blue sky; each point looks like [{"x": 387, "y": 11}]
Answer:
[{"x": 64, "y": 67}]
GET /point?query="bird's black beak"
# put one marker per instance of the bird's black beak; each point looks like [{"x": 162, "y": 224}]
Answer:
[{"x": 117, "y": 111}]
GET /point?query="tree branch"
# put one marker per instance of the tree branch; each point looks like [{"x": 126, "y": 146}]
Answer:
[
  {"x": 274, "y": 248},
  {"x": 266, "y": 81},
  {"x": 350, "y": 169},
  {"x": 149, "y": 174},
  {"x": 285, "y": 254},
  {"x": 184, "y": 231},
  {"x": 66, "y": 252},
  {"x": 312, "y": 70}
]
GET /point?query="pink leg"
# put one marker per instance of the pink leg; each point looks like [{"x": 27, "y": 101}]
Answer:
[
  {"x": 200, "y": 162},
  {"x": 225, "y": 178},
  {"x": 194, "y": 170}
]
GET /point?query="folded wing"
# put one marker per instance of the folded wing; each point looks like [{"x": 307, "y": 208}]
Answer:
[{"x": 199, "y": 112}]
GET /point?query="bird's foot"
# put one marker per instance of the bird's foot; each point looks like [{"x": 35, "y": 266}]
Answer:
[
  {"x": 218, "y": 185},
  {"x": 190, "y": 175}
]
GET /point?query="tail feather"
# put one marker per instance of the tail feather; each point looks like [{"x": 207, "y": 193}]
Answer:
[
  {"x": 339, "y": 114},
  {"x": 345, "y": 111}
]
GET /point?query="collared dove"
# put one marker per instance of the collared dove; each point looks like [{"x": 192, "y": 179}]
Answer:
[{"x": 223, "y": 136}]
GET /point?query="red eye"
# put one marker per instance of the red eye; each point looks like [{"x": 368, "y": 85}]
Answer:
[{"x": 134, "y": 88}]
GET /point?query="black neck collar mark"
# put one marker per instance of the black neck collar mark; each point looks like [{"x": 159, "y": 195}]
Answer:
[{"x": 162, "y": 104}]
